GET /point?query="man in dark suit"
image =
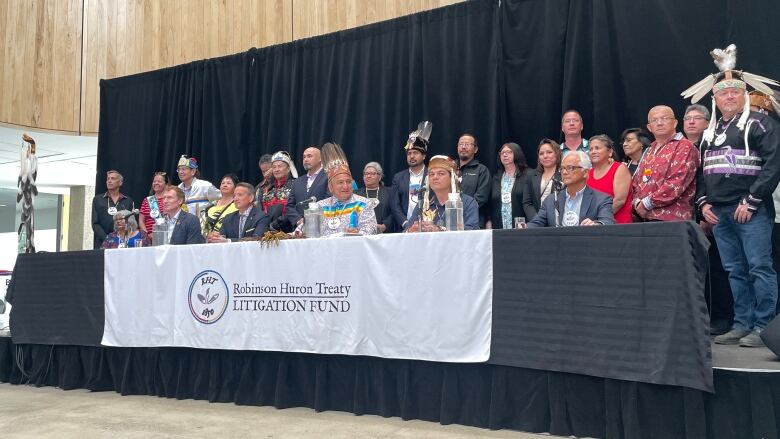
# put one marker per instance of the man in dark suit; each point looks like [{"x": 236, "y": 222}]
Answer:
[
  {"x": 313, "y": 184},
  {"x": 184, "y": 227},
  {"x": 577, "y": 204},
  {"x": 408, "y": 184},
  {"x": 247, "y": 221}
]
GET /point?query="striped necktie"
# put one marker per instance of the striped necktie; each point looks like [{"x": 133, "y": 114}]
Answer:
[{"x": 241, "y": 222}]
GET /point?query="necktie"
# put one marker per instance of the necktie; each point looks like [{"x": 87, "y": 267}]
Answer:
[{"x": 241, "y": 222}]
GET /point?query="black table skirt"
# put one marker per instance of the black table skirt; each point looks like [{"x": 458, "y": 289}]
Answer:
[
  {"x": 622, "y": 302},
  {"x": 482, "y": 395}
]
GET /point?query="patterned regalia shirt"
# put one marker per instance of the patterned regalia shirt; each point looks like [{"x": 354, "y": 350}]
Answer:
[{"x": 337, "y": 215}]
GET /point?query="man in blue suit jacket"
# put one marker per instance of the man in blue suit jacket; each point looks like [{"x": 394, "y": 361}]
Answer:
[
  {"x": 313, "y": 184},
  {"x": 186, "y": 226},
  {"x": 248, "y": 221},
  {"x": 577, "y": 204}
]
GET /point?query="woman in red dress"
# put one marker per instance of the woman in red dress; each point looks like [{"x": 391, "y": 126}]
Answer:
[
  {"x": 152, "y": 206},
  {"x": 610, "y": 177}
]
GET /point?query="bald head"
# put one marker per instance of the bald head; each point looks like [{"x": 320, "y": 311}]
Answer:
[
  {"x": 311, "y": 159},
  {"x": 661, "y": 108},
  {"x": 661, "y": 122}
]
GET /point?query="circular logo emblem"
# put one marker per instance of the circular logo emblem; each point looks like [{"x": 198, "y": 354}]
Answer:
[{"x": 208, "y": 296}]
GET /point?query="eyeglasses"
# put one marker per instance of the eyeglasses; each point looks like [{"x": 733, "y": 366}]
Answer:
[
  {"x": 370, "y": 173},
  {"x": 570, "y": 169},
  {"x": 465, "y": 144},
  {"x": 690, "y": 118},
  {"x": 663, "y": 119},
  {"x": 571, "y": 121}
]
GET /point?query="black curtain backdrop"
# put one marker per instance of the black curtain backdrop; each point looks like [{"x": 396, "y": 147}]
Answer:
[{"x": 503, "y": 72}]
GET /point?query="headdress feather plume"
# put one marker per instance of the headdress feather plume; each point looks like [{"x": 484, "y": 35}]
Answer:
[{"x": 334, "y": 161}]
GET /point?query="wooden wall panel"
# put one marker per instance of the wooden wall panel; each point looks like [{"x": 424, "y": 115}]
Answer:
[
  {"x": 55, "y": 52},
  {"x": 40, "y": 63},
  {"x": 317, "y": 17},
  {"x": 132, "y": 36}
]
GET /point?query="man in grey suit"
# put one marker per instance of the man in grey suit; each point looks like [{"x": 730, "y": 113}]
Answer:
[
  {"x": 184, "y": 227},
  {"x": 577, "y": 204}
]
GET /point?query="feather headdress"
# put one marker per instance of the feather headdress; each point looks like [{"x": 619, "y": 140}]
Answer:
[
  {"x": 418, "y": 139},
  {"x": 334, "y": 161},
  {"x": 727, "y": 77},
  {"x": 726, "y": 60}
]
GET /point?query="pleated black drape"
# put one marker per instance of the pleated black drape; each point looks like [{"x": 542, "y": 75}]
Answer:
[
  {"x": 364, "y": 88},
  {"x": 501, "y": 71},
  {"x": 150, "y": 117},
  {"x": 614, "y": 60},
  {"x": 488, "y": 396}
]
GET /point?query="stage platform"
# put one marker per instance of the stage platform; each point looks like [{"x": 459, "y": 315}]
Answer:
[
  {"x": 744, "y": 359},
  {"x": 745, "y": 404},
  {"x": 608, "y": 358}
]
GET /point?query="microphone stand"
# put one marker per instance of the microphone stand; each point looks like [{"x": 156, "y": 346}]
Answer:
[
  {"x": 557, "y": 187},
  {"x": 423, "y": 201}
]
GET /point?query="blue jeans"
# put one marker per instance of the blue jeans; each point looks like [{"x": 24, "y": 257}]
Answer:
[{"x": 746, "y": 253}]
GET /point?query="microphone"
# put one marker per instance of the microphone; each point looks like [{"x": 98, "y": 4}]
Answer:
[
  {"x": 558, "y": 186},
  {"x": 306, "y": 201}
]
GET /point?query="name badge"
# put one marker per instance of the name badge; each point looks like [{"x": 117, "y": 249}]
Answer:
[
  {"x": 154, "y": 214},
  {"x": 506, "y": 198},
  {"x": 571, "y": 219},
  {"x": 112, "y": 210},
  {"x": 334, "y": 223},
  {"x": 646, "y": 175}
]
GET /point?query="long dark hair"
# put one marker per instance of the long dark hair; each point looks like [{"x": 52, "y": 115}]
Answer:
[
  {"x": 517, "y": 157},
  {"x": 556, "y": 150},
  {"x": 162, "y": 174}
]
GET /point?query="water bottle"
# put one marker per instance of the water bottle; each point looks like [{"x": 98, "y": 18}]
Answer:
[
  {"x": 453, "y": 212},
  {"x": 353, "y": 220},
  {"x": 160, "y": 234},
  {"x": 312, "y": 221}
]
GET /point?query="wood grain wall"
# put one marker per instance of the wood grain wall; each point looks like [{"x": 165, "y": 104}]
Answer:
[
  {"x": 317, "y": 17},
  {"x": 40, "y": 63},
  {"x": 56, "y": 51}
]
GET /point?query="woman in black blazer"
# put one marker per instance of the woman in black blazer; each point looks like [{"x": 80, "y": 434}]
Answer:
[
  {"x": 374, "y": 189},
  {"x": 543, "y": 180},
  {"x": 509, "y": 182}
]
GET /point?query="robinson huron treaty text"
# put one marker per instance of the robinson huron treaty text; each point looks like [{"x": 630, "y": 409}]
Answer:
[{"x": 287, "y": 297}]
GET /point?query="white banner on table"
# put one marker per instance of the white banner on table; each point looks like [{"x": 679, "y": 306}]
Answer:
[{"x": 425, "y": 296}]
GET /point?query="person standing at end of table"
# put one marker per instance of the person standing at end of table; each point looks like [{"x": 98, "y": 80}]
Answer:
[
  {"x": 106, "y": 205},
  {"x": 741, "y": 169}
]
